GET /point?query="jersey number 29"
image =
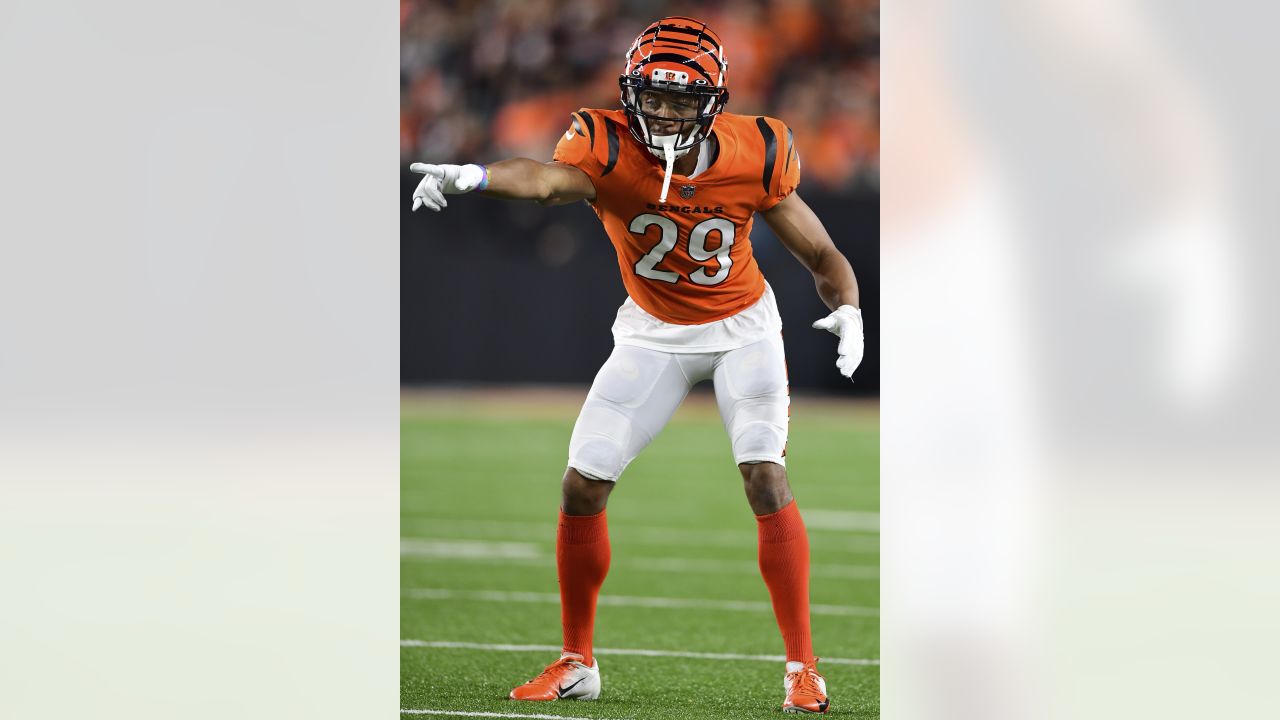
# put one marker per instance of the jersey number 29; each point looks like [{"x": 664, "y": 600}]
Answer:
[{"x": 647, "y": 265}]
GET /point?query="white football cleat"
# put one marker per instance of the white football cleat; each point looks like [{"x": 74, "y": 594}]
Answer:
[{"x": 565, "y": 679}]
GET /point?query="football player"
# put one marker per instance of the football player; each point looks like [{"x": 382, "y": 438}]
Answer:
[{"x": 676, "y": 182}]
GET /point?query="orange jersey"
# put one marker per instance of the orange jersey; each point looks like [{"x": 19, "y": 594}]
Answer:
[{"x": 687, "y": 261}]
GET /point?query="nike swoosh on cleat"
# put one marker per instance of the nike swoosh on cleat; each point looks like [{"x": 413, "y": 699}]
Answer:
[{"x": 560, "y": 691}]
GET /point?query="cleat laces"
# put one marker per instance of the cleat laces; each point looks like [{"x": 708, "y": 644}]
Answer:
[
  {"x": 805, "y": 681},
  {"x": 551, "y": 670}
]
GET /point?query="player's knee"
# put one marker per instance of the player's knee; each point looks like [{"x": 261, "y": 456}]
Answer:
[
  {"x": 599, "y": 458},
  {"x": 583, "y": 495},
  {"x": 766, "y": 484},
  {"x": 598, "y": 447},
  {"x": 764, "y": 475}
]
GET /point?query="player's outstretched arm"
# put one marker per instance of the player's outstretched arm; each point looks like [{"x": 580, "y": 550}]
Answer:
[
  {"x": 802, "y": 233},
  {"x": 550, "y": 183}
]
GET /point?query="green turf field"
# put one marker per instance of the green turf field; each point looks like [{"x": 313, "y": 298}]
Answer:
[{"x": 479, "y": 496}]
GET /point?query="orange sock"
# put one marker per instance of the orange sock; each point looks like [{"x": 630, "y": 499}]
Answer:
[
  {"x": 784, "y": 563},
  {"x": 582, "y": 561}
]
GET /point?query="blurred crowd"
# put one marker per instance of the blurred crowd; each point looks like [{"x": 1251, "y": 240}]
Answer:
[{"x": 481, "y": 80}]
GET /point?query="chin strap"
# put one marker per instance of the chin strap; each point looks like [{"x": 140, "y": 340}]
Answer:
[{"x": 668, "y": 149}]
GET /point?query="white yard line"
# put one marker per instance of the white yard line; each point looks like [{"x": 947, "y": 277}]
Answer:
[
  {"x": 702, "y": 567},
  {"x": 624, "y": 651},
  {"x": 843, "y": 537},
  {"x": 841, "y": 520},
  {"x": 469, "y": 549},
  {"x": 436, "y": 549},
  {"x": 630, "y": 601},
  {"x": 464, "y": 713}
]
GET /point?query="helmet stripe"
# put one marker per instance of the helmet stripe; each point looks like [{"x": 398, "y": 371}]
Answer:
[
  {"x": 700, "y": 34},
  {"x": 678, "y": 41},
  {"x": 703, "y": 46},
  {"x": 650, "y": 47},
  {"x": 682, "y": 60}
]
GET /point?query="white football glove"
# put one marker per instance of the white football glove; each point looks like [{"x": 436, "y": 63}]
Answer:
[
  {"x": 444, "y": 180},
  {"x": 846, "y": 324}
]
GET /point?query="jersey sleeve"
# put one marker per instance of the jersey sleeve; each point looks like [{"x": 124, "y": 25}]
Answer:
[
  {"x": 577, "y": 147},
  {"x": 781, "y": 173}
]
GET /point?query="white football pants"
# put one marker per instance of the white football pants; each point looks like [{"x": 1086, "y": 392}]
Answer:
[{"x": 638, "y": 390}]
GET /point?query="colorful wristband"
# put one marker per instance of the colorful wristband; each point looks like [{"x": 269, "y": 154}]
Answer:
[{"x": 484, "y": 178}]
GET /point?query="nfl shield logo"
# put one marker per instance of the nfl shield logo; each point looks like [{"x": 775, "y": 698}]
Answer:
[{"x": 686, "y": 191}]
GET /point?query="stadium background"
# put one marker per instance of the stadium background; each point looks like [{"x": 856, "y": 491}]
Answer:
[{"x": 511, "y": 292}]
